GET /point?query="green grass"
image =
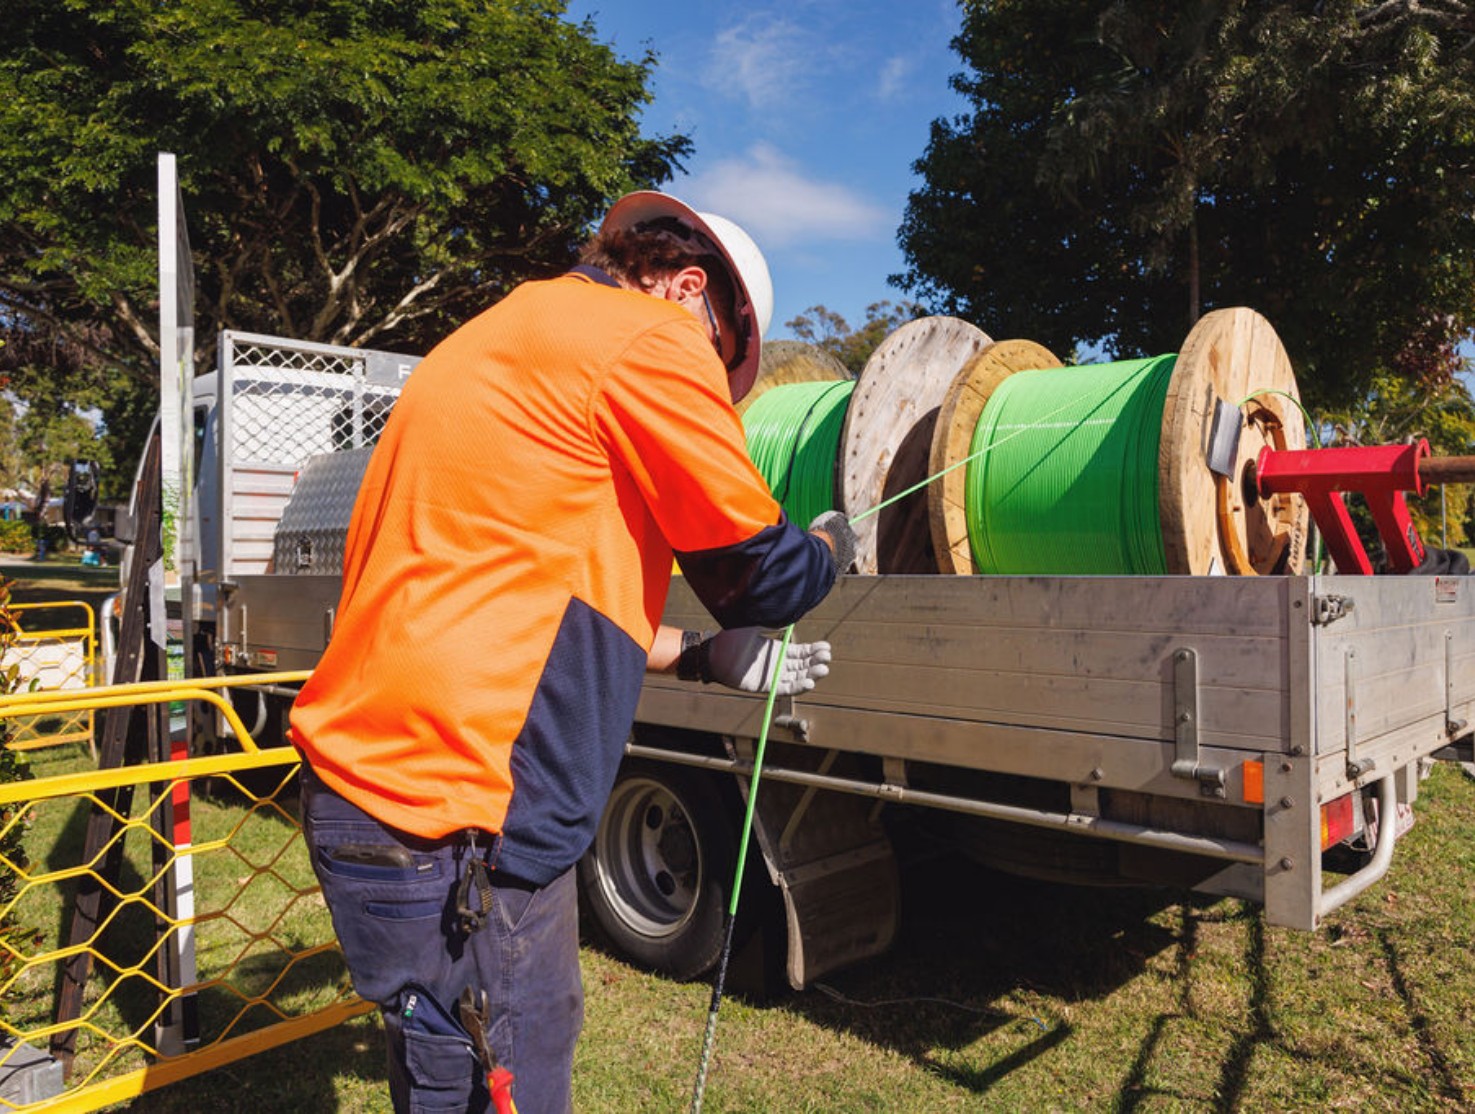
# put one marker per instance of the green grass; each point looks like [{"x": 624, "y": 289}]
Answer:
[
  {"x": 57, "y": 578},
  {"x": 1007, "y": 995}
]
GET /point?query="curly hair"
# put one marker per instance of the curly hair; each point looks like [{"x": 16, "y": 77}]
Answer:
[{"x": 657, "y": 248}]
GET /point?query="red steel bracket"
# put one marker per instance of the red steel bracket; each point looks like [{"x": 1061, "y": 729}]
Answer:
[{"x": 1380, "y": 473}]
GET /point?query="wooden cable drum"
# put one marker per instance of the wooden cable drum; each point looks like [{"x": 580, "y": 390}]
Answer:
[
  {"x": 957, "y": 418},
  {"x": 1105, "y": 469},
  {"x": 886, "y": 444},
  {"x": 1211, "y": 524},
  {"x": 792, "y": 361}
]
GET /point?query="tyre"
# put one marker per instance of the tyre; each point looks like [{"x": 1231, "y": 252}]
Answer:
[{"x": 657, "y": 878}]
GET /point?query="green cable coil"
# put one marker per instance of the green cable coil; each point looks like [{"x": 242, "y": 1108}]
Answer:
[
  {"x": 793, "y": 436},
  {"x": 1057, "y": 485}
]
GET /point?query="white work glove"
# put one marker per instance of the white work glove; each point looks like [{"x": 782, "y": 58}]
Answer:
[{"x": 743, "y": 659}]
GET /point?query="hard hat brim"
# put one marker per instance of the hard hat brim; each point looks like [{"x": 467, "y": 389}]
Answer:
[{"x": 646, "y": 205}]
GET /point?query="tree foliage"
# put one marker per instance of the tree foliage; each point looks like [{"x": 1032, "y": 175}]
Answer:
[
  {"x": 38, "y": 444},
  {"x": 355, "y": 171},
  {"x": 826, "y": 329},
  {"x": 1128, "y": 165}
]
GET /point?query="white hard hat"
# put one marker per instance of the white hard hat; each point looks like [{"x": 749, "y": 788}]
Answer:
[{"x": 744, "y": 262}]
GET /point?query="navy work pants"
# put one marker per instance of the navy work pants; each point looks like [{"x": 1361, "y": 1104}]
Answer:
[{"x": 398, "y": 928}]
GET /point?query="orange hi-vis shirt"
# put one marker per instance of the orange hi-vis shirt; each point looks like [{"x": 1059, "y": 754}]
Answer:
[{"x": 509, "y": 557}]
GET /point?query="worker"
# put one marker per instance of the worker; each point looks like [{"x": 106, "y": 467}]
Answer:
[{"x": 505, "y": 572}]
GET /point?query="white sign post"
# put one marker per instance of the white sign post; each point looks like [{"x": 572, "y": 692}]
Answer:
[{"x": 176, "y": 1028}]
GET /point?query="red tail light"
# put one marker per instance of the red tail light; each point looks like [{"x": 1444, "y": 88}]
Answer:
[{"x": 1338, "y": 821}]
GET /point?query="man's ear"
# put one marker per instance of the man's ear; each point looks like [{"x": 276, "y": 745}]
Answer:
[{"x": 687, "y": 283}]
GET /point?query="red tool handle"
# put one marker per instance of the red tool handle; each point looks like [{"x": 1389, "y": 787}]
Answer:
[{"x": 499, "y": 1083}]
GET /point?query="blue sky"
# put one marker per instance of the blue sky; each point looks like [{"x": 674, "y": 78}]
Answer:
[{"x": 806, "y": 117}]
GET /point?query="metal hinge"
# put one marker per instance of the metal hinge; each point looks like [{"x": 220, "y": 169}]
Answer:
[
  {"x": 792, "y": 721},
  {"x": 1356, "y": 766},
  {"x": 1453, "y": 725},
  {"x": 1330, "y": 608},
  {"x": 1185, "y": 727}
]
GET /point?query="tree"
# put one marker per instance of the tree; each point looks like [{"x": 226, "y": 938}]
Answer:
[
  {"x": 824, "y": 328},
  {"x": 1127, "y": 166},
  {"x": 45, "y": 446},
  {"x": 40, "y": 437},
  {"x": 355, "y": 171}
]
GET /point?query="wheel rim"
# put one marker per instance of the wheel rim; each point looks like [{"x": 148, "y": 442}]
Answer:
[{"x": 648, "y": 859}]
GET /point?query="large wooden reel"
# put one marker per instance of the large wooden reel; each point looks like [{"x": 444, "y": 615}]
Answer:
[
  {"x": 952, "y": 441},
  {"x": 792, "y": 361},
  {"x": 1212, "y": 524},
  {"x": 886, "y": 445}
]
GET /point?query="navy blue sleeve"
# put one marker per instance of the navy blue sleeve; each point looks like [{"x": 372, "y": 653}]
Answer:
[{"x": 770, "y": 580}]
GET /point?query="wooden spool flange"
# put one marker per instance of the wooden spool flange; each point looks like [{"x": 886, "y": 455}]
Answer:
[
  {"x": 886, "y": 444},
  {"x": 952, "y": 441},
  {"x": 793, "y": 361},
  {"x": 1210, "y": 524}
]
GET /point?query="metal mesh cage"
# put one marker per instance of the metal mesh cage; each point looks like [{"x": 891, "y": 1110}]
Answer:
[
  {"x": 282, "y": 403},
  {"x": 290, "y": 404}
]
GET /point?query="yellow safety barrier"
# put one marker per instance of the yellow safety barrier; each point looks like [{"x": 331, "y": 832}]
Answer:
[
  {"x": 267, "y": 967},
  {"x": 54, "y": 648}
]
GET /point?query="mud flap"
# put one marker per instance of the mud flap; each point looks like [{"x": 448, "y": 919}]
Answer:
[{"x": 831, "y": 860}]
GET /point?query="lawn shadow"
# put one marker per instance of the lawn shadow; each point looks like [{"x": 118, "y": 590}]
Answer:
[
  {"x": 301, "y": 1077},
  {"x": 54, "y": 580},
  {"x": 972, "y": 942}
]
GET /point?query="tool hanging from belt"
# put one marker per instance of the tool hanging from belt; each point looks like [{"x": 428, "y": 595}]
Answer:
[
  {"x": 473, "y": 905},
  {"x": 474, "y": 894},
  {"x": 476, "y": 1018}
]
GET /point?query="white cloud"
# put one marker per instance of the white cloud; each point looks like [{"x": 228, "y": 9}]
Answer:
[
  {"x": 771, "y": 196},
  {"x": 893, "y": 78},
  {"x": 763, "y": 60},
  {"x": 777, "y": 64}
]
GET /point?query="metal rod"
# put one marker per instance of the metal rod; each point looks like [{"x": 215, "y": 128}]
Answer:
[
  {"x": 1447, "y": 469},
  {"x": 1093, "y": 826},
  {"x": 276, "y": 690}
]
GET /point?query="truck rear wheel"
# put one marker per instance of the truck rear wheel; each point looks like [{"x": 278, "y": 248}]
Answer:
[{"x": 656, "y": 880}]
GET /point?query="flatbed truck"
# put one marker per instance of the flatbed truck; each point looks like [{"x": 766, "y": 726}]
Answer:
[{"x": 1224, "y": 733}]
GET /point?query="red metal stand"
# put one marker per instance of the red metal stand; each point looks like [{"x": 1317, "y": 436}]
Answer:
[{"x": 1380, "y": 473}]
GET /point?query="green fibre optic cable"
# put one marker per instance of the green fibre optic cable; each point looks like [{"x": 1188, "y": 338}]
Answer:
[
  {"x": 1076, "y": 494},
  {"x": 710, "y": 1036},
  {"x": 793, "y": 434}
]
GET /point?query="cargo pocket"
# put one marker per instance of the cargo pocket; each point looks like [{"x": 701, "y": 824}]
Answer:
[
  {"x": 441, "y": 1070},
  {"x": 442, "y": 1073}
]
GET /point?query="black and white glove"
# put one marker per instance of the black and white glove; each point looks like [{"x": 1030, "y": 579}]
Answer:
[
  {"x": 835, "y": 526},
  {"x": 744, "y": 659}
]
